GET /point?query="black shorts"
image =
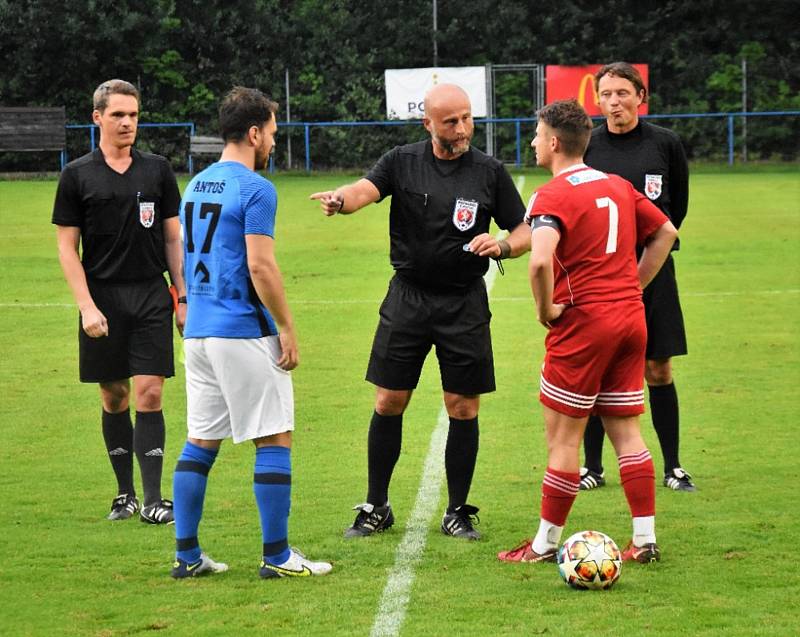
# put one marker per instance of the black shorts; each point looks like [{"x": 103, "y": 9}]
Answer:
[
  {"x": 666, "y": 335},
  {"x": 139, "y": 340},
  {"x": 455, "y": 322}
]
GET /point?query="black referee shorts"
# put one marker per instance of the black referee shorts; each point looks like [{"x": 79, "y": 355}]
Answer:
[
  {"x": 139, "y": 340},
  {"x": 455, "y": 322},
  {"x": 666, "y": 335}
]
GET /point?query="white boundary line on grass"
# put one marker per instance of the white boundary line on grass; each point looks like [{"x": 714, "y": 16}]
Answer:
[
  {"x": 396, "y": 594},
  {"x": 497, "y": 299}
]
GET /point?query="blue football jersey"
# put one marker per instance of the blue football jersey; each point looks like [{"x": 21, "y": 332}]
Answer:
[{"x": 220, "y": 206}]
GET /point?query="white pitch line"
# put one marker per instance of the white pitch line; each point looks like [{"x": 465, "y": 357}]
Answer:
[
  {"x": 489, "y": 275},
  {"x": 33, "y": 306},
  {"x": 526, "y": 299},
  {"x": 394, "y": 600},
  {"x": 396, "y": 594}
]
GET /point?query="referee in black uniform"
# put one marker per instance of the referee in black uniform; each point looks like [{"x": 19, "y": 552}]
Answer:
[
  {"x": 120, "y": 207},
  {"x": 444, "y": 195},
  {"x": 653, "y": 160}
]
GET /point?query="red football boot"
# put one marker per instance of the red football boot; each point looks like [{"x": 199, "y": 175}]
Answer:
[
  {"x": 524, "y": 553},
  {"x": 642, "y": 554}
]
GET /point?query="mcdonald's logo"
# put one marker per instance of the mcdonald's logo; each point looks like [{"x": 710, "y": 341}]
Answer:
[
  {"x": 587, "y": 80},
  {"x": 565, "y": 82}
]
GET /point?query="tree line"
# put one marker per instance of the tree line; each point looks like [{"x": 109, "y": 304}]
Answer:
[{"x": 185, "y": 54}]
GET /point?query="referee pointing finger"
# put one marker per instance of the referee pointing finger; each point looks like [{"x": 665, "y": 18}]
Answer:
[{"x": 444, "y": 195}]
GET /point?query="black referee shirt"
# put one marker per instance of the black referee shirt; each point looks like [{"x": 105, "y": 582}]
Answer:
[
  {"x": 120, "y": 215},
  {"x": 438, "y": 207},
  {"x": 651, "y": 158}
]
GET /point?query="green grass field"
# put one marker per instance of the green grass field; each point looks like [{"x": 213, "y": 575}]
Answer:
[{"x": 64, "y": 570}]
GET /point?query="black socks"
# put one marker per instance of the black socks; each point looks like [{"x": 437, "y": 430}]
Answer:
[
  {"x": 666, "y": 421},
  {"x": 664, "y": 410},
  {"x": 593, "y": 444},
  {"x": 383, "y": 449},
  {"x": 118, "y": 435},
  {"x": 148, "y": 441},
  {"x": 460, "y": 455},
  {"x": 384, "y": 442}
]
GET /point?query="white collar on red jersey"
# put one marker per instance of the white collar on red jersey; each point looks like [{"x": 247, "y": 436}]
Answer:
[{"x": 569, "y": 169}]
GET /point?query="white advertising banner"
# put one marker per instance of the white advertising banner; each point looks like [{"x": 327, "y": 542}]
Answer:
[{"x": 406, "y": 88}]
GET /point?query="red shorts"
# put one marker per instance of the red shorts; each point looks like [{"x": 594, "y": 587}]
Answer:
[{"x": 594, "y": 360}]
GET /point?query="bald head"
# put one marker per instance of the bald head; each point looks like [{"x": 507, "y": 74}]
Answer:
[
  {"x": 448, "y": 118},
  {"x": 445, "y": 96}
]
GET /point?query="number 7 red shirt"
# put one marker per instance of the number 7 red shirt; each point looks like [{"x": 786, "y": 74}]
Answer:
[{"x": 601, "y": 219}]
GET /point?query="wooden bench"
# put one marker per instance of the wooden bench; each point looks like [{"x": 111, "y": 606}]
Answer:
[
  {"x": 199, "y": 145},
  {"x": 32, "y": 129},
  {"x": 203, "y": 145}
]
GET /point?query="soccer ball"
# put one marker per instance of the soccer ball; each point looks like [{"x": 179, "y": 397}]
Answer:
[{"x": 589, "y": 560}]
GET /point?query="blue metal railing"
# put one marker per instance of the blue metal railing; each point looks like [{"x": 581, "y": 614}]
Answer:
[
  {"x": 517, "y": 121},
  {"x": 93, "y": 130},
  {"x": 730, "y": 117}
]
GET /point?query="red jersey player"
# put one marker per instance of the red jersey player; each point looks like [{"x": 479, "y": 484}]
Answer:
[{"x": 588, "y": 291}]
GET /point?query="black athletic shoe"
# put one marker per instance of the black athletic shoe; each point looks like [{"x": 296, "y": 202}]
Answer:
[
  {"x": 159, "y": 513},
  {"x": 591, "y": 479},
  {"x": 123, "y": 507},
  {"x": 370, "y": 519},
  {"x": 679, "y": 480},
  {"x": 459, "y": 522}
]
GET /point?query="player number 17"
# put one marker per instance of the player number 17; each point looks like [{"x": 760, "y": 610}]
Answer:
[
  {"x": 613, "y": 222},
  {"x": 206, "y": 209}
]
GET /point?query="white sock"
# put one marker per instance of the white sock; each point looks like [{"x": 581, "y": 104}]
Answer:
[
  {"x": 547, "y": 537},
  {"x": 644, "y": 530}
]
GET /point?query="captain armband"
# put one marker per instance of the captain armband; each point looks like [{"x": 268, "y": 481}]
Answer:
[{"x": 546, "y": 221}]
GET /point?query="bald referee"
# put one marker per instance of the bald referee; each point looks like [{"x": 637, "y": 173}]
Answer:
[
  {"x": 116, "y": 217},
  {"x": 444, "y": 196}
]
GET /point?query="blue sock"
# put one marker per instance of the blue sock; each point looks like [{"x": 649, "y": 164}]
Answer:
[
  {"x": 272, "y": 484},
  {"x": 189, "y": 492}
]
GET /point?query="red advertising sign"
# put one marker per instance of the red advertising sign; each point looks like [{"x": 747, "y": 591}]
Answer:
[{"x": 565, "y": 82}]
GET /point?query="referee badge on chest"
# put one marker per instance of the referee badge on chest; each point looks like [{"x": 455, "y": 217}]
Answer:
[
  {"x": 465, "y": 214},
  {"x": 652, "y": 186},
  {"x": 147, "y": 213}
]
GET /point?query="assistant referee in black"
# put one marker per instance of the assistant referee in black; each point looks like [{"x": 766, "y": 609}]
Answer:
[
  {"x": 444, "y": 195},
  {"x": 653, "y": 160},
  {"x": 120, "y": 207}
]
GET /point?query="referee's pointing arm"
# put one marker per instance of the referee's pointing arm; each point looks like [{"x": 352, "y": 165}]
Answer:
[{"x": 347, "y": 199}]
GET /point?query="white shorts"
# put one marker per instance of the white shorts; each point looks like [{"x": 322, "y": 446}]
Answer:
[{"x": 235, "y": 389}]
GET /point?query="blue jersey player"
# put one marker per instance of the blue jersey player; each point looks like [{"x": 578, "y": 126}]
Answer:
[{"x": 240, "y": 343}]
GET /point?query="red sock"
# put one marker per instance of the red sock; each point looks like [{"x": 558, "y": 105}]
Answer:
[
  {"x": 559, "y": 489},
  {"x": 637, "y": 474}
]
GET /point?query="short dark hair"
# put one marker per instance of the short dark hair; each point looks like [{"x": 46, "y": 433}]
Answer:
[
  {"x": 572, "y": 125},
  {"x": 112, "y": 87},
  {"x": 625, "y": 71},
  {"x": 242, "y": 108}
]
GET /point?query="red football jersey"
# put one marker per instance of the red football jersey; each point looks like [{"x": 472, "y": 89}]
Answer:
[{"x": 602, "y": 219}]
